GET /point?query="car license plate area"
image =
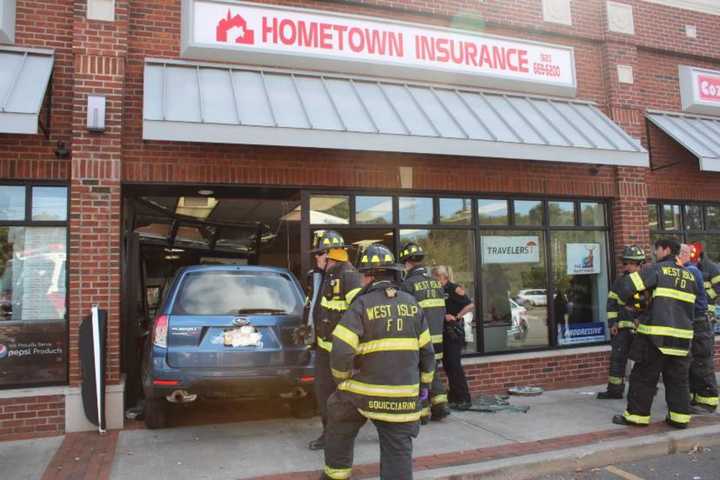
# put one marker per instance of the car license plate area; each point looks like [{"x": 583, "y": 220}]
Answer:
[{"x": 246, "y": 336}]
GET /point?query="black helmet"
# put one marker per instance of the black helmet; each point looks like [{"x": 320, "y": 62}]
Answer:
[
  {"x": 411, "y": 251},
  {"x": 377, "y": 257},
  {"x": 633, "y": 253},
  {"x": 325, "y": 240}
]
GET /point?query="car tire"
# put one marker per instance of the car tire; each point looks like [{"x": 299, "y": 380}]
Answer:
[
  {"x": 156, "y": 413},
  {"x": 305, "y": 407}
]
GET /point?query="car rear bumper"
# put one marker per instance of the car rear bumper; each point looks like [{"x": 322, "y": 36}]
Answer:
[{"x": 232, "y": 383}]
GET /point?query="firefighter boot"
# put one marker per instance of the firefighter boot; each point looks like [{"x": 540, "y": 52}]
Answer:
[{"x": 318, "y": 443}]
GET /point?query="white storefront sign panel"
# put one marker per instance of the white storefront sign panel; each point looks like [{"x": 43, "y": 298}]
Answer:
[
  {"x": 226, "y": 30},
  {"x": 583, "y": 258},
  {"x": 700, "y": 90},
  {"x": 505, "y": 249}
]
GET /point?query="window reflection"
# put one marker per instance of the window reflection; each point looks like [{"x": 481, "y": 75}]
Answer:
[
  {"x": 329, "y": 209},
  {"x": 581, "y": 283},
  {"x": 12, "y": 202},
  {"x": 492, "y": 212},
  {"x": 455, "y": 211},
  {"x": 49, "y": 204},
  {"x": 528, "y": 212},
  {"x": 592, "y": 214},
  {"x": 373, "y": 210},
  {"x": 416, "y": 210},
  {"x": 671, "y": 217},
  {"x": 514, "y": 290},
  {"x": 562, "y": 213},
  {"x": 454, "y": 249}
]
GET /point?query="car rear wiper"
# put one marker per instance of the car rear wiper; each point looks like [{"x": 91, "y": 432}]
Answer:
[{"x": 260, "y": 310}]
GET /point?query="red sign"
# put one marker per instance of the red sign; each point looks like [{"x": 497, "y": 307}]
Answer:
[{"x": 709, "y": 88}]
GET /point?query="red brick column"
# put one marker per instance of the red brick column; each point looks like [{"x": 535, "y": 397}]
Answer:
[
  {"x": 100, "y": 49},
  {"x": 625, "y": 106}
]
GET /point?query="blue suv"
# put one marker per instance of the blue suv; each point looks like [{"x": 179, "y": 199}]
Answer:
[{"x": 227, "y": 332}]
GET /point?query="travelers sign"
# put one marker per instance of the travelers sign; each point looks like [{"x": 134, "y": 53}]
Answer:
[
  {"x": 700, "y": 90},
  {"x": 226, "y": 30},
  {"x": 510, "y": 249}
]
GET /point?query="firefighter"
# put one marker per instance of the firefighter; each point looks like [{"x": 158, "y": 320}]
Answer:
[
  {"x": 622, "y": 319},
  {"x": 339, "y": 286},
  {"x": 662, "y": 342},
  {"x": 430, "y": 295},
  {"x": 703, "y": 384},
  {"x": 383, "y": 360}
]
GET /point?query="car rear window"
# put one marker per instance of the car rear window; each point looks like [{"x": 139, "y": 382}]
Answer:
[{"x": 227, "y": 293}]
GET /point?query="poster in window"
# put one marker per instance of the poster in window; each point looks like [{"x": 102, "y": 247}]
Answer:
[
  {"x": 510, "y": 249},
  {"x": 32, "y": 306},
  {"x": 583, "y": 258}
]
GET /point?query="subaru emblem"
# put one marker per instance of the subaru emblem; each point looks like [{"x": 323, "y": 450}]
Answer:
[{"x": 240, "y": 321}]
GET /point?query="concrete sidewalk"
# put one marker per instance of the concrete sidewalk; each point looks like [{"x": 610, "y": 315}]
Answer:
[{"x": 275, "y": 448}]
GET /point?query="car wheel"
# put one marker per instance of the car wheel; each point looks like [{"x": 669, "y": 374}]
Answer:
[
  {"x": 156, "y": 413},
  {"x": 304, "y": 407}
]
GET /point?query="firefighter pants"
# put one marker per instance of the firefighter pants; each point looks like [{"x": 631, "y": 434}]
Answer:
[
  {"x": 649, "y": 364},
  {"x": 618, "y": 360},
  {"x": 438, "y": 396},
  {"x": 344, "y": 423},
  {"x": 703, "y": 384},
  {"x": 458, "y": 391},
  {"x": 324, "y": 382}
]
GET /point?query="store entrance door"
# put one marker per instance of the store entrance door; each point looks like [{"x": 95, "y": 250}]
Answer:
[{"x": 166, "y": 228}]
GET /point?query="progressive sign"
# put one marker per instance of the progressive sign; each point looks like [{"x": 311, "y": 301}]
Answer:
[{"x": 252, "y": 34}]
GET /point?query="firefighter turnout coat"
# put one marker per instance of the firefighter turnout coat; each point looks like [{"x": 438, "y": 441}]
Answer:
[
  {"x": 382, "y": 354},
  {"x": 669, "y": 324},
  {"x": 431, "y": 297},
  {"x": 341, "y": 283},
  {"x": 711, "y": 279},
  {"x": 622, "y": 314}
]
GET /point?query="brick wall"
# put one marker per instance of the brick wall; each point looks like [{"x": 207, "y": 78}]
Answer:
[
  {"x": 107, "y": 58},
  {"x": 27, "y": 417}
]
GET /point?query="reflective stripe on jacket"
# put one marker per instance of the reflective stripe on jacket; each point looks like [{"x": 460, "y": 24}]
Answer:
[
  {"x": 431, "y": 297},
  {"x": 382, "y": 353},
  {"x": 341, "y": 283},
  {"x": 621, "y": 314},
  {"x": 670, "y": 319}
]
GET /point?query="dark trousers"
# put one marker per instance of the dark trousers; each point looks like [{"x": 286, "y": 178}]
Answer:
[
  {"x": 324, "y": 382},
  {"x": 703, "y": 384},
  {"x": 618, "y": 360},
  {"x": 438, "y": 395},
  {"x": 458, "y": 391},
  {"x": 344, "y": 423},
  {"x": 649, "y": 364}
]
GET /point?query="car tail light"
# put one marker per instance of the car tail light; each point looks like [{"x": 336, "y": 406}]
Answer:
[
  {"x": 160, "y": 330},
  {"x": 307, "y": 379}
]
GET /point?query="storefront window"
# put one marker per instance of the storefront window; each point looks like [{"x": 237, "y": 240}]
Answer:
[
  {"x": 671, "y": 217},
  {"x": 592, "y": 214},
  {"x": 580, "y": 277},
  {"x": 33, "y": 302},
  {"x": 712, "y": 217},
  {"x": 562, "y": 214},
  {"x": 456, "y": 211},
  {"x": 514, "y": 290},
  {"x": 528, "y": 212},
  {"x": 492, "y": 212},
  {"x": 12, "y": 202},
  {"x": 653, "y": 215},
  {"x": 693, "y": 217},
  {"x": 329, "y": 209},
  {"x": 49, "y": 204},
  {"x": 416, "y": 210},
  {"x": 686, "y": 223},
  {"x": 454, "y": 249},
  {"x": 502, "y": 257},
  {"x": 373, "y": 210}
]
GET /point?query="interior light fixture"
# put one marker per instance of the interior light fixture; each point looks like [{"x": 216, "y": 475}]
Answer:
[
  {"x": 205, "y": 192},
  {"x": 172, "y": 257}
]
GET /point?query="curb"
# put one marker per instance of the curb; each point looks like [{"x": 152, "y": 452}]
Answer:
[{"x": 586, "y": 457}]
